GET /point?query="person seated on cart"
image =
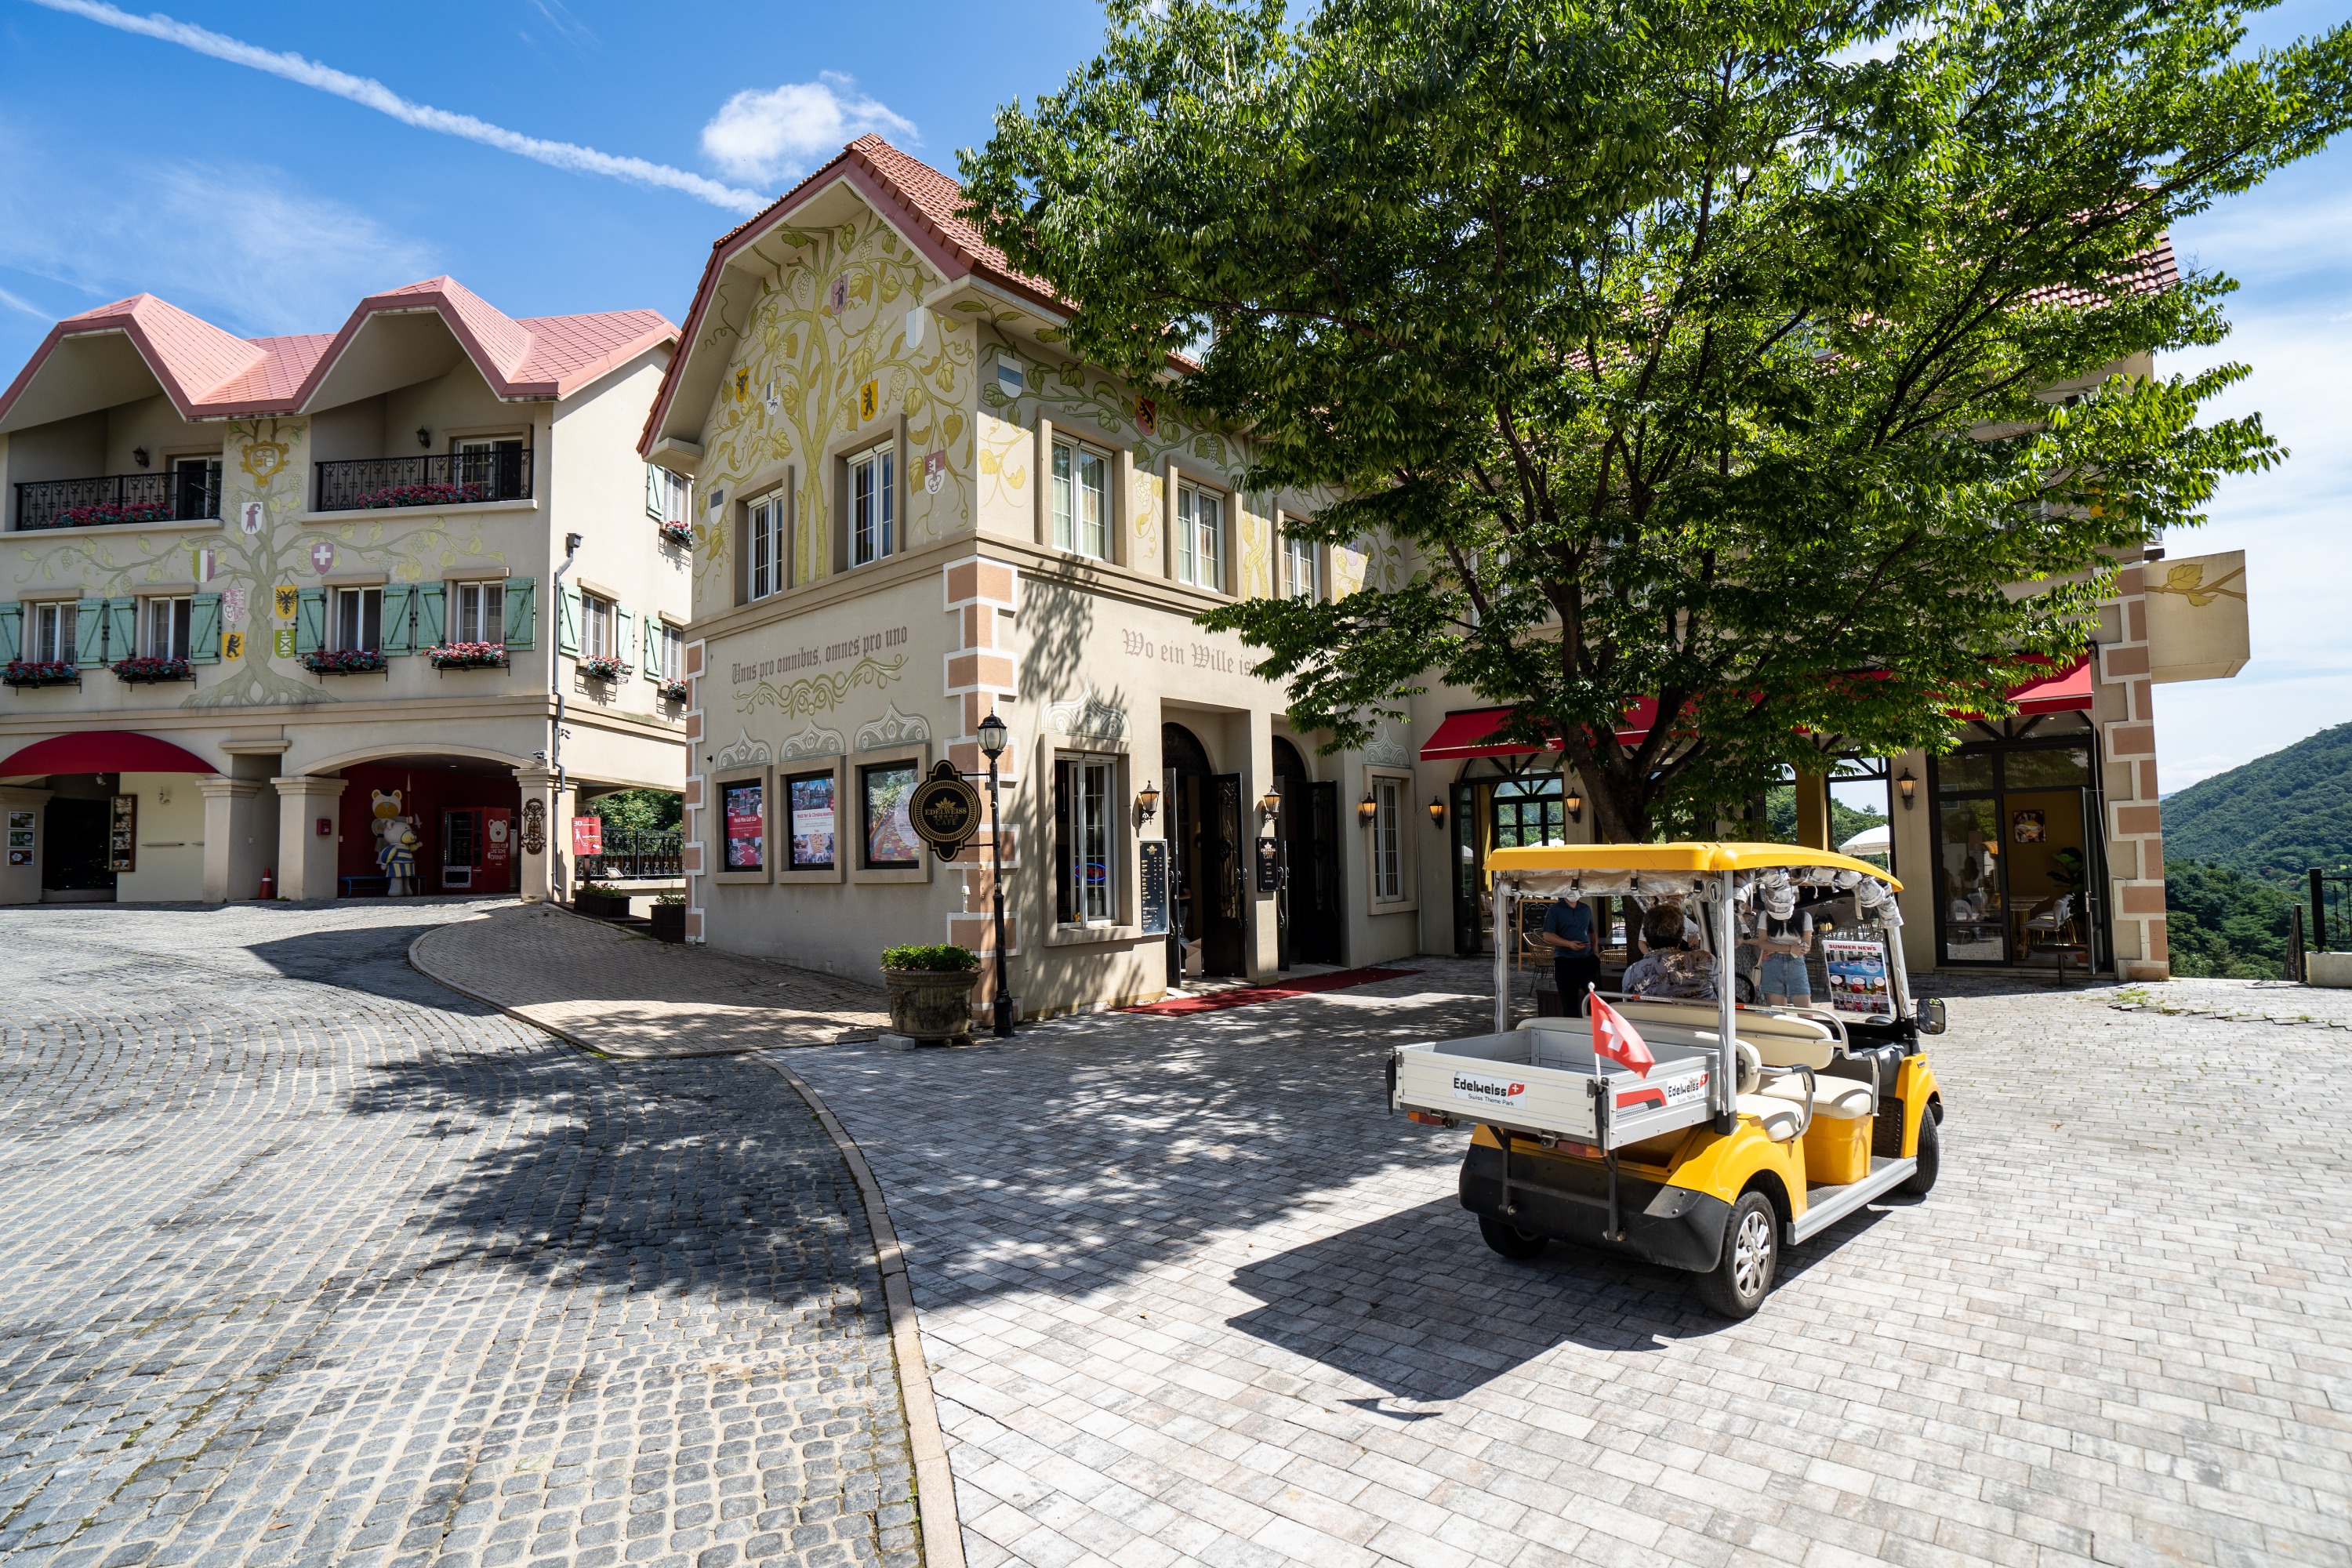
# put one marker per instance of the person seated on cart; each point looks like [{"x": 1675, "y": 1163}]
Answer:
[
  {"x": 1575, "y": 951},
  {"x": 1675, "y": 965},
  {"x": 1785, "y": 935}
]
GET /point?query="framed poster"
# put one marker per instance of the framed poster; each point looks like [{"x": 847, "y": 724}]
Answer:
[
  {"x": 886, "y": 791},
  {"x": 1858, "y": 982},
  {"x": 122, "y": 834},
  {"x": 2028, "y": 826},
  {"x": 20, "y": 856},
  {"x": 810, "y": 799},
  {"x": 745, "y": 808},
  {"x": 20, "y": 822}
]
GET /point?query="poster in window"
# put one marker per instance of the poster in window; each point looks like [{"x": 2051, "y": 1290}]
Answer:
[
  {"x": 746, "y": 809},
  {"x": 809, "y": 798},
  {"x": 2028, "y": 827},
  {"x": 890, "y": 838},
  {"x": 1858, "y": 983}
]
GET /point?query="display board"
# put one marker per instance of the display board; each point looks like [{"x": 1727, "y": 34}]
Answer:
[
  {"x": 1858, "y": 979},
  {"x": 1152, "y": 888}
]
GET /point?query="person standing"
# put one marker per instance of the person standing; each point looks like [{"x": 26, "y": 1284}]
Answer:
[
  {"x": 1786, "y": 938},
  {"x": 1575, "y": 951}
]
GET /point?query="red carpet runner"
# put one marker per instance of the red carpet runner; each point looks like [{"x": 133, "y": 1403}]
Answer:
[{"x": 1248, "y": 996}]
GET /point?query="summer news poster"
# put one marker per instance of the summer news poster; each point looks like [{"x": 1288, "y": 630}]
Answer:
[
  {"x": 1858, "y": 982},
  {"x": 745, "y": 806}
]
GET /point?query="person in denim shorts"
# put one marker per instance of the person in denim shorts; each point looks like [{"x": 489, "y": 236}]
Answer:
[{"x": 1785, "y": 937}]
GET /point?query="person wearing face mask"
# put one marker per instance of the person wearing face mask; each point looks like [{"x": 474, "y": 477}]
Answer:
[{"x": 1785, "y": 938}]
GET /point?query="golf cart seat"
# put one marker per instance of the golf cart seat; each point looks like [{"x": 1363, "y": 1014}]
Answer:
[
  {"x": 1780, "y": 1119},
  {"x": 1845, "y": 1099}
]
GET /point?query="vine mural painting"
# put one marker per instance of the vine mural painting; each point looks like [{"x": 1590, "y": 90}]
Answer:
[{"x": 819, "y": 693}]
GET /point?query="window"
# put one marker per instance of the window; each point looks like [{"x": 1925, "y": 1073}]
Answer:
[
  {"x": 1084, "y": 844},
  {"x": 745, "y": 808},
  {"x": 1081, "y": 501},
  {"x": 53, "y": 628},
  {"x": 767, "y": 545},
  {"x": 871, "y": 494},
  {"x": 886, "y": 791},
  {"x": 482, "y": 613},
  {"x": 1388, "y": 841},
  {"x": 664, "y": 494},
  {"x": 671, "y": 656},
  {"x": 196, "y": 487},
  {"x": 595, "y": 626},
  {"x": 165, "y": 628},
  {"x": 490, "y": 466},
  {"x": 1199, "y": 538},
  {"x": 1298, "y": 574},
  {"x": 809, "y": 797},
  {"x": 359, "y": 619}
]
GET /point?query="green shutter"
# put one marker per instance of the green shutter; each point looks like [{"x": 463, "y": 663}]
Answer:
[
  {"x": 522, "y": 610},
  {"x": 89, "y": 633},
  {"x": 310, "y": 621},
  {"x": 399, "y": 618},
  {"x": 204, "y": 629},
  {"x": 12, "y": 633},
  {"x": 652, "y": 640},
  {"x": 432, "y": 615},
  {"x": 122, "y": 628},
  {"x": 567, "y": 622},
  {"x": 621, "y": 623}
]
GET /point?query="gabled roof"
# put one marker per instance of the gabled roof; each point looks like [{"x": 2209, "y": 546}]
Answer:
[
  {"x": 209, "y": 374},
  {"x": 920, "y": 201}
]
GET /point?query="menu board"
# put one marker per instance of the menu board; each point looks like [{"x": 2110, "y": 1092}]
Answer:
[
  {"x": 1858, "y": 980},
  {"x": 810, "y": 800},
  {"x": 20, "y": 839},
  {"x": 123, "y": 833},
  {"x": 745, "y": 806},
  {"x": 1154, "y": 885}
]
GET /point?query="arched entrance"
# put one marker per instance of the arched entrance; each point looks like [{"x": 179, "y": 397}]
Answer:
[
  {"x": 1498, "y": 805},
  {"x": 1310, "y": 926},
  {"x": 1209, "y": 930},
  {"x": 462, "y": 809}
]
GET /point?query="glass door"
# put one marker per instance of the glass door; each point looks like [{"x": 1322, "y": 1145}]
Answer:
[{"x": 2017, "y": 855}]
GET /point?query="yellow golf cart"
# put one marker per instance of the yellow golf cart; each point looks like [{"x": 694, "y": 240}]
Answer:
[{"x": 1757, "y": 1127}]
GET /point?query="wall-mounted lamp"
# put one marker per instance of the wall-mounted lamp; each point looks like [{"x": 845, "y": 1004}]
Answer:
[
  {"x": 1436, "y": 811},
  {"x": 1147, "y": 802},
  {"x": 1575, "y": 804},
  {"x": 425, "y": 437},
  {"x": 138, "y": 456},
  {"x": 1908, "y": 786},
  {"x": 1269, "y": 805},
  {"x": 1366, "y": 808}
]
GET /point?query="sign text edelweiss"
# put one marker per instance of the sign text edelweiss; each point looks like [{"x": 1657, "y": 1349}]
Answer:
[
  {"x": 1480, "y": 1091},
  {"x": 1189, "y": 654},
  {"x": 858, "y": 646}
]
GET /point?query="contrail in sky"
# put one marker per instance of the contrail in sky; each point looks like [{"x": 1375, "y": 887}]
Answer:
[{"x": 376, "y": 95}]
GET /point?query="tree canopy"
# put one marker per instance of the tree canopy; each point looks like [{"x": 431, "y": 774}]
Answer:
[{"x": 1739, "y": 355}]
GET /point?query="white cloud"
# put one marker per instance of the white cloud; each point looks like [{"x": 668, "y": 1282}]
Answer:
[
  {"x": 17, "y": 302},
  {"x": 775, "y": 135},
  {"x": 373, "y": 94},
  {"x": 236, "y": 244}
]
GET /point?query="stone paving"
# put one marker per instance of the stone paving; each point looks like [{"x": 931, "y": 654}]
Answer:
[
  {"x": 304, "y": 1260},
  {"x": 1188, "y": 1295},
  {"x": 625, "y": 994}
]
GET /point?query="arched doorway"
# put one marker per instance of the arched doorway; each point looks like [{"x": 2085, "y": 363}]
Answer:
[
  {"x": 1310, "y": 927},
  {"x": 1209, "y": 905},
  {"x": 1498, "y": 805}
]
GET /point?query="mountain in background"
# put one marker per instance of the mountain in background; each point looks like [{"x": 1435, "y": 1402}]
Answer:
[{"x": 2273, "y": 818}]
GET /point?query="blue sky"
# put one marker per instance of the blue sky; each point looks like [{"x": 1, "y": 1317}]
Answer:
[{"x": 131, "y": 161}]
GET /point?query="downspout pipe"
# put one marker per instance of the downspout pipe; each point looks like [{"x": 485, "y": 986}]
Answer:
[{"x": 555, "y": 656}]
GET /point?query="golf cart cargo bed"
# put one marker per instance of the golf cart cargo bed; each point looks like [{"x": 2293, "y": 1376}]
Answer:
[{"x": 1540, "y": 1082}]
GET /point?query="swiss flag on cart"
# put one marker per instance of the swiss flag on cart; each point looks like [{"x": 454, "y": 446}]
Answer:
[{"x": 1618, "y": 1040}]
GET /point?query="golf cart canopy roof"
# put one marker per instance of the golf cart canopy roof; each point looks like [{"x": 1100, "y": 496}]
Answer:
[{"x": 1602, "y": 860}]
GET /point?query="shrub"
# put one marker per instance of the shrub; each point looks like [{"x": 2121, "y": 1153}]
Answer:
[{"x": 944, "y": 956}]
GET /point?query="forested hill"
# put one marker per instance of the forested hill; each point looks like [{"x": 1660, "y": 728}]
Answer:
[{"x": 2273, "y": 817}]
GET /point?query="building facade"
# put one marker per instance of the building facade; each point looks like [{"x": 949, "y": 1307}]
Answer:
[
  {"x": 912, "y": 509},
  {"x": 272, "y": 604}
]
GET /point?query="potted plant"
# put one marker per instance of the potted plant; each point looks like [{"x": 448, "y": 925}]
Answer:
[
  {"x": 99, "y": 514},
  {"x": 342, "y": 661},
  {"x": 24, "y": 672},
  {"x": 673, "y": 691},
  {"x": 669, "y": 916},
  {"x": 146, "y": 668},
  {"x": 467, "y": 655},
  {"x": 679, "y": 533},
  {"x": 930, "y": 990},
  {"x": 603, "y": 667},
  {"x": 596, "y": 898},
  {"x": 423, "y": 495}
]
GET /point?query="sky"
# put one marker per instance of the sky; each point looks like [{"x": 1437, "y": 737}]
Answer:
[{"x": 264, "y": 166}]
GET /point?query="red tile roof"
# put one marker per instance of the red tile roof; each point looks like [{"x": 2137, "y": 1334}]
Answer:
[
  {"x": 2150, "y": 272},
  {"x": 209, "y": 374}
]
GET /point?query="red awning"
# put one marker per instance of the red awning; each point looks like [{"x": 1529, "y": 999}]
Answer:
[
  {"x": 103, "y": 751},
  {"x": 2061, "y": 690},
  {"x": 1474, "y": 734}
]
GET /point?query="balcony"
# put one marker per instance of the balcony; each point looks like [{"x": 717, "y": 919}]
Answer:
[
  {"x": 451, "y": 478},
  {"x": 189, "y": 493}
]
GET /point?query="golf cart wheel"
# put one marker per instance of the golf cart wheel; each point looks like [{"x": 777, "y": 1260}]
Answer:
[
  {"x": 1930, "y": 1156},
  {"x": 1509, "y": 1240},
  {"x": 1742, "y": 1277}
]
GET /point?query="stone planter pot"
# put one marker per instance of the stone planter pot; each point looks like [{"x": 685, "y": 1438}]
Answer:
[
  {"x": 931, "y": 1004},
  {"x": 600, "y": 905},
  {"x": 670, "y": 921}
]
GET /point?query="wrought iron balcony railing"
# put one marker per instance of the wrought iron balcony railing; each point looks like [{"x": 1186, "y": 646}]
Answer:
[
  {"x": 189, "y": 493},
  {"x": 448, "y": 478}
]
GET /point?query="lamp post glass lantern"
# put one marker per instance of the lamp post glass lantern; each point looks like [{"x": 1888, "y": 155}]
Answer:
[{"x": 993, "y": 738}]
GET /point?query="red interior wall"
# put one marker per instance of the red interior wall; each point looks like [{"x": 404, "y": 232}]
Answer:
[{"x": 424, "y": 794}]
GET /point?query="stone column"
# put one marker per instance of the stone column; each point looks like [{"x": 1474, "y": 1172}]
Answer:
[
  {"x": 306, "y": 856},
  {"x": 237, "y": 842},
  {"x": 544, "y": 831}
]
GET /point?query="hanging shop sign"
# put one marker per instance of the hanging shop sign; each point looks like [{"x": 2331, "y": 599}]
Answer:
[{"x": 945, "y": 810}]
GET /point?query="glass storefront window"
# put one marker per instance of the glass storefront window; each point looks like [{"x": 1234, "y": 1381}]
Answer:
[
  {"x": 1967, "y": 771},
  {"x": 2047, "y": 769},
  {"x": 1968, "y": 849}
]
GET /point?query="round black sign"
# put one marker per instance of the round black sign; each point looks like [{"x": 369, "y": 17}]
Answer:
[{"x": 945, "y": 809}]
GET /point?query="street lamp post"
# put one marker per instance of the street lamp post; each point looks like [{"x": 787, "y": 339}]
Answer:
[{"x": 992, "y": 741}]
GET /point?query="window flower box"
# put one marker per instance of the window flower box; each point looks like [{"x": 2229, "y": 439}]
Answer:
[
  {"x": 599, "y": 667},
  {"x": 423, "y": 495},
  {"x": 672, "y": 691},
  {"x": 679, "y": 533},
  {"x": 468, "y": 656},
  {"x": 26, "y": 672},
  {"x": 146, "y": 669},
  {"x": 98, "y": 514},
  {"x": 343, "y": 661}
]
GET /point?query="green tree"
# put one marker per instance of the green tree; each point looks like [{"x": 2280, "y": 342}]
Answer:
[
  {"x": 2220, "y": 923},
  {"x": 1693, "y": 351},
  {"x": 640, "y": 810}
]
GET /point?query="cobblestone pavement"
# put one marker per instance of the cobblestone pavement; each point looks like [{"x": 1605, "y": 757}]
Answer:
[
  {"x": 629, "y": 995},
  {"x": 1188, "y": 1295},
  {"x": 304, "y": 1260}
]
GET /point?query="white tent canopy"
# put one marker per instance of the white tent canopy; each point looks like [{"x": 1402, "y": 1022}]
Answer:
[{"x": 1869, "y": 841}]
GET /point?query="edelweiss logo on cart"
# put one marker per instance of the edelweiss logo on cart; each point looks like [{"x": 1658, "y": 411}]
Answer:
[{"x": 1487, "y": 1091}]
